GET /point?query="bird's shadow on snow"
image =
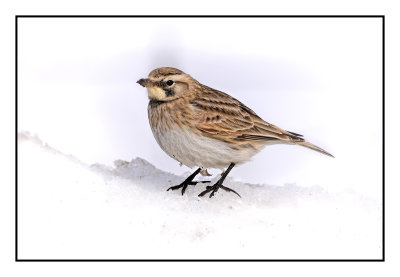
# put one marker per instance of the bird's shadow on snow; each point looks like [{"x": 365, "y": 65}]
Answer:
[{"x": 151, "y": 180}]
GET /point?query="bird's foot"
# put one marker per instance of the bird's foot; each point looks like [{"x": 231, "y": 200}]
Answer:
[
  {"x": 185, "y": 184},
  {"x": 214, "y": 188}
]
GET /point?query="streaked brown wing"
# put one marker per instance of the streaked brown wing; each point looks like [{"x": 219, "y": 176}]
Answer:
[{"x": 220, "y": 115}]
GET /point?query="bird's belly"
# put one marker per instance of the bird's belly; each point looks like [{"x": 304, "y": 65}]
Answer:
[{"x": 192, "y": 150}]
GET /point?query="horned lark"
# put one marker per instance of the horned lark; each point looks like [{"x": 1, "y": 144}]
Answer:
[{"x": 202, "y": 127}]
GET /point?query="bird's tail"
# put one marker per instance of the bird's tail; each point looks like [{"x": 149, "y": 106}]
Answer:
[{"x": 313, "y": 147}]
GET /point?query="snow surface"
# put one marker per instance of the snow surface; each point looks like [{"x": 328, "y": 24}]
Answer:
[{"x": 71, "y": 210}]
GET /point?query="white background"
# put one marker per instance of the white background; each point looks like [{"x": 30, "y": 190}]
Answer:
[
  {"x": 78, "y": 93},
  {"x": 10, "y": 8},
  {"x": 317, "y": 77}
]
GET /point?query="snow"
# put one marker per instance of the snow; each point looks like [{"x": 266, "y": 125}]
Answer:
[{"x": 68, "y": 209}]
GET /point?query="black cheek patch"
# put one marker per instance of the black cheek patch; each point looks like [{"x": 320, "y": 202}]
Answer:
[{"x": 169, "y": 92}]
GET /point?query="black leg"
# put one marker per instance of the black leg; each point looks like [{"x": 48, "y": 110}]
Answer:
[
  {"x": 188, "y": 181},
  {"x": 213, "y": 189}
]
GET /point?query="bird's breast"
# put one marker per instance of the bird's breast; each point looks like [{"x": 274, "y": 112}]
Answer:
[{"x": 181, "y": 141}]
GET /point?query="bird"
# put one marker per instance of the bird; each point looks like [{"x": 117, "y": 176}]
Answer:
[{"x": 202, "y": 127}]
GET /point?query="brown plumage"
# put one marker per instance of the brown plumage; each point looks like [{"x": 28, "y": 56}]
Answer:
[{"x": 189, "y": 119}]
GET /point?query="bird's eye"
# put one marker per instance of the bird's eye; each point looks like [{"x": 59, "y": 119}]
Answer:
[{"x": 170, "y": 82}]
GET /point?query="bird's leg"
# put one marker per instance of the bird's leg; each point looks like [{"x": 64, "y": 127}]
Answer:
[
  {"x": 188, "y": 181},
  {"x": 214, "y": 188}
]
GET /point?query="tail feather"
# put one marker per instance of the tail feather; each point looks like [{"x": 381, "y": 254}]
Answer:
[{"x": 313, "y": 147}]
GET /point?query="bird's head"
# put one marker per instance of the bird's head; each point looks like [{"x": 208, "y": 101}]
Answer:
[{"x": 167, "y": 83}]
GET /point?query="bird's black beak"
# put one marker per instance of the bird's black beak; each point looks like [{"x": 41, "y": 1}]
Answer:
[{"x": 143, "y": 82}]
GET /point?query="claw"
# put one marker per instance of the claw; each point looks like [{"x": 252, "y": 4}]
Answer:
[
  {"x": 183, "y": 186},
  {"x": 231, "y": 190},
  {"x": 187, "y": 182},
  {"x": 208, "y": 189},
  {"x": 213, "y": 189}
]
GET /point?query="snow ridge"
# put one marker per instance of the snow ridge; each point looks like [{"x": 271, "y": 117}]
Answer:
[{"x": 68, "y": 209}]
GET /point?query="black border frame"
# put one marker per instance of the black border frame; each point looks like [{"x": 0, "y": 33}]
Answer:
[{"x": 382, "y": 17}]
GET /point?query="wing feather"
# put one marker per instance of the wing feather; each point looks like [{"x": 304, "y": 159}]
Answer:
[{"x": 218, "y": 114}]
